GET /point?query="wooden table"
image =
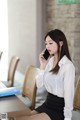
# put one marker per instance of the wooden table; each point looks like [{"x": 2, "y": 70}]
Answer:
[{"x": 12, "y": 105}]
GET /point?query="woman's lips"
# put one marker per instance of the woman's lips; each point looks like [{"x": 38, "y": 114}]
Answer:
[{"x": 49, "y": 50}]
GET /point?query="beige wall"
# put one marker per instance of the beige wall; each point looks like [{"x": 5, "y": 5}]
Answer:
[
  {"x": 25, "y": 31},
  {"x": 67, "y": 18},
  {"x": 27, "y": 27},
  {"x": 28, "y": 21},
  {"x": 22, "y": 31}
]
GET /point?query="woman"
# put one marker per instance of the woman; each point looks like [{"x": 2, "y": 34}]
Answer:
[{"x": 58, "y": 76}]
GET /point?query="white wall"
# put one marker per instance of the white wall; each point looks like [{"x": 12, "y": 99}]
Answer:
[
  {"x": 22, "y": 31},
  {"x": 3, "y": 34},
  {"x": 25, "y": 22}
]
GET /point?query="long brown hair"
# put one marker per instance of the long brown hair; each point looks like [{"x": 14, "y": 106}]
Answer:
[{"x": 57, "y": 36}]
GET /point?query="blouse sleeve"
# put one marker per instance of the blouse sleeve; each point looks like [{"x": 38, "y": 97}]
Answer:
[
  {"x": 69, "y": 80},
  {"x": 39, "y": 79},
  {"x": 40, "y": 76}
]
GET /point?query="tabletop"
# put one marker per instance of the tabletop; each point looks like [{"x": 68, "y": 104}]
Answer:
[{"x": 12, "y": 104}]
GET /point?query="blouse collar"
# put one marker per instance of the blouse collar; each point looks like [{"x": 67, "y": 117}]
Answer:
[{"x": 63, "y": 60}]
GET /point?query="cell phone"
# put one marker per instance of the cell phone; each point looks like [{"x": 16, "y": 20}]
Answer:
[{"x": 46, "y": 54}]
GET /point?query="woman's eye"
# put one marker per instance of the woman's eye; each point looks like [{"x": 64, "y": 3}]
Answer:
[{"x": 50, "y": 43}]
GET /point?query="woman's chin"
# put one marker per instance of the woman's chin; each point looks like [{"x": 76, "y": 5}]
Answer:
[{"x": 51, "y": 54}]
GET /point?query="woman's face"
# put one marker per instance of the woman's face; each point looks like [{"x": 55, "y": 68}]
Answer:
[{"x": 51, "y": 46}]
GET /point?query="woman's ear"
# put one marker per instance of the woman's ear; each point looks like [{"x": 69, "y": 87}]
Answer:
[{"x": 61, "y": 43}]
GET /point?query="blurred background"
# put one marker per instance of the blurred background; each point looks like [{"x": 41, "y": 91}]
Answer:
[{"x": 24, "y": 23}]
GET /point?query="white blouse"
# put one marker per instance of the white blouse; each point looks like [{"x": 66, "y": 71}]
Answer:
[{"x": 60, "y": 84}]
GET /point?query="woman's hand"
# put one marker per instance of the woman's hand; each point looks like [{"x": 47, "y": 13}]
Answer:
[{"x": 43, "y": 61}]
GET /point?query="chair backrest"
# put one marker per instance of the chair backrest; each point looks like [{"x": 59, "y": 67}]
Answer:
[
  {"x": 1, "y": 54},
  {"x": 12, "y": 68},
  {"x": 77, "y": 95},
  {"x": 29, "y": 86}
]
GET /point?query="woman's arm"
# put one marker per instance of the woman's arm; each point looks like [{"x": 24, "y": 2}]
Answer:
[
  {"x": 39, "y": 79},
  {"x": 44, "y": 65},
  {"x": 69, "y": 80}
]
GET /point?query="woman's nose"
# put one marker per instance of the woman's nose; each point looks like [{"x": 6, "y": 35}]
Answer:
[{"x": 47, "y": 46}]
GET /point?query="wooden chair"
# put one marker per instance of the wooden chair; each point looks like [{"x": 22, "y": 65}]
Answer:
[
  {"x": 76, "y": 104},
  {"x": 1, "y": 54},
  {"x": 29, "y": 87},
  {"x": 11, "y": 71},
  {"x": 77, "y": 95}
]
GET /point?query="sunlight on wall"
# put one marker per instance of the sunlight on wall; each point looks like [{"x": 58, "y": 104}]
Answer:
[{"x": 3, "y": 33}]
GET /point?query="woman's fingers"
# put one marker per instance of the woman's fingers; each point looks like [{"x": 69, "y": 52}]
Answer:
[{"x": 41, "y": 55}]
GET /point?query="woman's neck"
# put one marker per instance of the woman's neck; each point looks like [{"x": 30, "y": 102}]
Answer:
[{"x": 55, "y": 60}]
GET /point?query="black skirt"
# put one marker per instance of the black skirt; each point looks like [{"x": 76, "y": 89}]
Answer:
[{"x": 53, "y": 107}]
